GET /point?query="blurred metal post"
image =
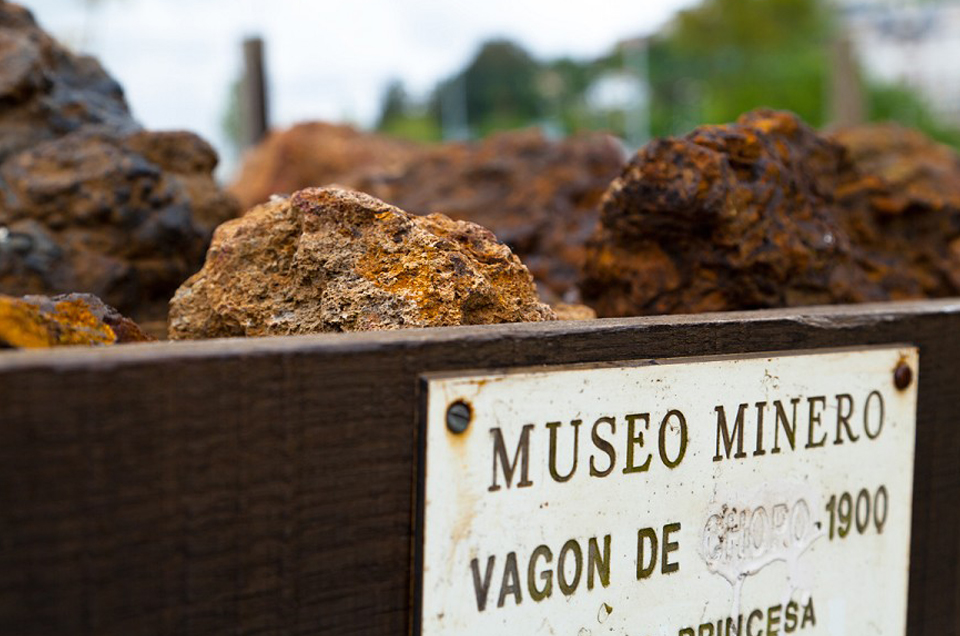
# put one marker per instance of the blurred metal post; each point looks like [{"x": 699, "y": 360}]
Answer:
[
  {"x": 846, "y": 93},
  {"x": 253, "y": 105},
  {"x": 453, "y": 110}
]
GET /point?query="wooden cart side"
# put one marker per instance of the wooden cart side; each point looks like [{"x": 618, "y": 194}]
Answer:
[{"x": 267, "y": 486}]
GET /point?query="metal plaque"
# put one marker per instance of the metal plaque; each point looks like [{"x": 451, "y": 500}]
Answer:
[{"x": 751, "y": 495}]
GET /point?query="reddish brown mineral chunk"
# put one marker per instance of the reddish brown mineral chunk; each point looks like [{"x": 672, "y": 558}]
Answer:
[
  {"x": 73, "y": 319},
  {"x": 540, "y": 197},
  {"x": 327, "y": 259},
  {"x": 90, "y": 202},
  {"x": 918, "y": 171},
  {"x": 761, "y": 213}
]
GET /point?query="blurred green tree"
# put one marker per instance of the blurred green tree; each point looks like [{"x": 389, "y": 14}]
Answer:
[
  {"x": 894, "y": 102},
  {"x": 712, "y": 63},
  {"x": 394, "y": 104},
  {"x": 496, "y": 91},
  {"x": 402, "y": 117},
  {"x": 726, "y": 57}
]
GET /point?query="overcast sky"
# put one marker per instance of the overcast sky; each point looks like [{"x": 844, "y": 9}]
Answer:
[{"x": 325, "y": 60}]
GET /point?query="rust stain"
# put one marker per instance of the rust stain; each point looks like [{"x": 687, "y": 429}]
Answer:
[{"x": 71, "y": 322}]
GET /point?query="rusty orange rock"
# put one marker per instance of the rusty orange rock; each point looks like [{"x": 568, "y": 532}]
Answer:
[
  {"x": 327, "y": 259},
  {"x": 72, "y": 319},
  {"x": 763, "y": 213},
  {"x": 916, "y": 171}
]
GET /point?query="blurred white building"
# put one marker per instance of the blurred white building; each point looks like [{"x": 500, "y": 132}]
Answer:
[{"x": 911, "y": 42}]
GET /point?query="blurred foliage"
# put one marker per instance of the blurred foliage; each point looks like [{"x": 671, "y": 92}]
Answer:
[
  {"x": 711, "y": 64},
  {"x": 898, "y": 103},
  {"x": 726, "y": 57},
  {"x": 231, "y": 118},
  {"x": 496, "y": 91},
  {"x": 415, "y": 127},
  {"x": 394, "y": 104},
  {"x": 402, "y": 118}
]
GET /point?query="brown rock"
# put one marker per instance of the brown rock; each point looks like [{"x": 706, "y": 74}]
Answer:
[
  {"x": 761, "y": 213},
  {"x": 73, "y": 319},
  {"x": 188, "y": 162},
  {"x": 538, "y": 196},
  {"x": 911, "y": 187},
  {"x": 47, "y": 91},
  {"x": 917, "y": 171},
  {"x": 327, "y": 259},
  {"x": 567, "y": 311},
  {"x": 90, "y": 202}
]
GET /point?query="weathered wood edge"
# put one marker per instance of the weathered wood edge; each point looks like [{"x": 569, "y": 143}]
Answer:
[{"x": 825, "y": 316}]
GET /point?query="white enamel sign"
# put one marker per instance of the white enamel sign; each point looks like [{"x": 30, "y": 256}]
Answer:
[{"x": 752, "y": 495}]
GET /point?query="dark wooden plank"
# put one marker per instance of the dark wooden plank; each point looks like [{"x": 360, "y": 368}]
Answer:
[{"x": 266, "y": 486}]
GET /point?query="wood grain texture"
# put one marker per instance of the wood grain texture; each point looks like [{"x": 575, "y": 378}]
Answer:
[{"x": 267, "y": 486}]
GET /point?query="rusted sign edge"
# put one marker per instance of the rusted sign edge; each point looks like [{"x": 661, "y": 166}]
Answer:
[{"x": 644, "y": 362}]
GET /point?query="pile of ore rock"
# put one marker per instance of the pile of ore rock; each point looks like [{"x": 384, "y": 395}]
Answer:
[
  {"x": 327, "y": 259},
  {"x": 352, "y": 231},
  {"x": 89, "y": 201}
]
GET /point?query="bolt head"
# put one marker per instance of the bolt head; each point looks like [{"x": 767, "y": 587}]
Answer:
[
  {"x": 458, "y": 417},
  {"x": 902, "y": 376}
]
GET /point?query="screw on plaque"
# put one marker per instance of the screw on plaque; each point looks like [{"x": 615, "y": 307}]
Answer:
[
  {"x": 902, "y": 375},
  {"x": 458, "y": 417}
]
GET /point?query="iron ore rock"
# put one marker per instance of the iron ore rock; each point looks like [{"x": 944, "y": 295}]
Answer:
[
  {"x": 919, "y": 172},
  {"x": 89, "y": 201},
  {"x": 538, "y": 196},
  {"x": 71, "y": 319},
  {"x": 911, "y": 187},
  {"x": 762, "y": 213},
  {"x": 327, "y": 259}
]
